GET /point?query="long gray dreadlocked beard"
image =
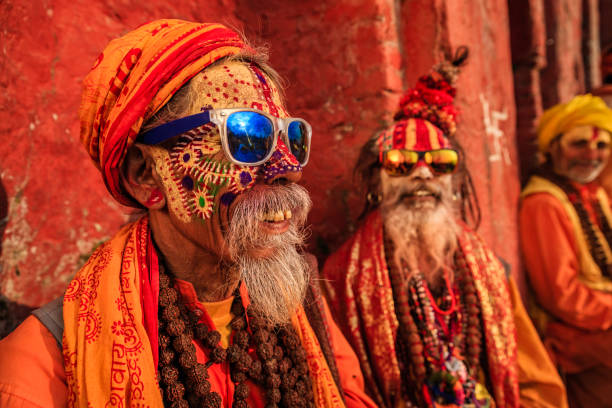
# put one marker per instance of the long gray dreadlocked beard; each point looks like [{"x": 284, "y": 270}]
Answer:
[
  {"x": 277, "y": 283},
  {"x": 424, "y": 237}
]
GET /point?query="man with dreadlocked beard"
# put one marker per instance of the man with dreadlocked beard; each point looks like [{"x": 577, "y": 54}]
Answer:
[
  {"x": 425, "y": 304},
  {"x": 566, "y": 240},
  {"x": 207, "y": 300}
]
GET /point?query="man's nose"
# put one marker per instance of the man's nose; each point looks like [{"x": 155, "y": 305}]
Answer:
[
  {"x": 592, "y": 153},
  {"x": 422, "y": 171},
  {"x": 282, "y": 167}
]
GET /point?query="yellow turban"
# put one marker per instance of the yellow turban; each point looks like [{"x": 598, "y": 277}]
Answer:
[{"x": 580, "y": 111}]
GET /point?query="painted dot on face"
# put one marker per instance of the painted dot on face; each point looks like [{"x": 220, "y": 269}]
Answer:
[
  {"x": 186, "y": 157},
  {"x": 228, "y": 198},
  {"x": 187, "y": 182},
  {"x": 245, "y": 178},
  {"x": 202, "y": 202}
]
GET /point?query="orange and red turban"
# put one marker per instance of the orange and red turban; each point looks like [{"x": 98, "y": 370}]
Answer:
[
  {"x": 134, "y": 77},
  {"x": 426, "y": 116}
]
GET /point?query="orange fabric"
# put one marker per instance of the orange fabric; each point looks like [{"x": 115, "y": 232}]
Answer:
[
  {"x": 134, "y": 77},
  {"x": 539, "y": 383},
  {"x": 107, "y": 353},
  {"x": 31, "y": 368},
  {"x": 578, "y": 330},
  {"x": 590, "y": 273},
  {"x": 32, "y": 372},
  {"x": 356, "y": 280}
]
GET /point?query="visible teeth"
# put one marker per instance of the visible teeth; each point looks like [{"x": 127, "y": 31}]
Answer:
[
  {"x": 275, "y": 216},
  {"x": 421, "y": 193}
]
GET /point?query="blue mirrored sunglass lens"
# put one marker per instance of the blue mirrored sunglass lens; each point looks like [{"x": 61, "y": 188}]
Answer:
[
  {"x": 250, "y": 136},
  {"x": 298, "y": 143}
]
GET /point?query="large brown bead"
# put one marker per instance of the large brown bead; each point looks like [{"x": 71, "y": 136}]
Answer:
[
  {"x": 212, "y": 339},
  {"x": 241, "y": 391},
  {"x": 201, "y": 388},
  {"x": 241, "y": 338},
  {"x": 175, "y": 392},
  {"x": 169, "y": 374},
  {"x": 274, "y": 396},
  {"x": 265, "y": 351},
  {"x": 212, "y": 400},
  {"x": 171, "y": 312},
  {"x": 179, "y": 404},
  {"x": 239, "y": 404},
  {"x": 201, "y": 331},
  {"x": 271, "y": 365},
  {"x": 260, "y": 336},
  {"x": 273, "y": 381},
  {"x": 166, "y": 356},
  {"x": 187, "y": 360},
  {"x": 164, "y": 281},
  {"x": 197, "y": 373},
  {"x": 167, "y": 297},
  {"x": 182, "y": 342},
  {"x": 175, "y": 327},
  {"x": 218, "y": 354}
]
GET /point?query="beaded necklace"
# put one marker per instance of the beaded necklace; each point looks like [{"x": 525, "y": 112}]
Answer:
[
  {"x": 439, "y": 345},
  {"x": 269, "y": 356},
  {"x": 595, "y": 246}
]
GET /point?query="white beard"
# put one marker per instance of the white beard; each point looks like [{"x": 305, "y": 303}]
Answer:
[
  {"x": 276, "y": 284},
  {"x": 424, "y": 237}
]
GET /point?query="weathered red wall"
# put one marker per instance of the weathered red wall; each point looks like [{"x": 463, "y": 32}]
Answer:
[{"x": 346, "y": 63}]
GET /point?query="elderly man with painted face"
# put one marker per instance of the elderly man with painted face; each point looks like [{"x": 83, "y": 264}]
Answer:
[
  {"x": 425, "y": 304},
  {"x": 566, "y": 241},
  {"x": 205, "y": 301}
]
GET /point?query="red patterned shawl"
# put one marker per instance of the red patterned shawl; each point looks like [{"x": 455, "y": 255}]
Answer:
[{"x": 356, "y": 279}]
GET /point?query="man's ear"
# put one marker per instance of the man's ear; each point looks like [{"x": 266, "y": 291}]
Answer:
[{"x": 139, "y": 178}]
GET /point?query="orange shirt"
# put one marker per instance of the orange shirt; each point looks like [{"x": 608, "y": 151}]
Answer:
[
  {"x": 580, "y": 334},
  {"x": 32, "y": 371}
]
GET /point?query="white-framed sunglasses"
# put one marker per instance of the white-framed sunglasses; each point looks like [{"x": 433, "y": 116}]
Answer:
[{"x": 248, "y": 136}]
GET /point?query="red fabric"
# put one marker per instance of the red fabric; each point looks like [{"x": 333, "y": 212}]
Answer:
[{"x": 149, "y": 286}]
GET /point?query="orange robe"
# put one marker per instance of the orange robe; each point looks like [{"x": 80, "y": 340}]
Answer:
[
  {"x": 35, "y": 372},
  {"x": 572, "y": 303},
  {"x": 356, "y": 281},
  {"x": 32, "y": 369}
]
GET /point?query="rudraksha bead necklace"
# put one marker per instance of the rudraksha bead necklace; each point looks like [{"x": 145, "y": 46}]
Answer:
[
  {"x": 426, "y": 330},
  {"x": 589, "y": 229},
  {"x": 277, "y": 362}
]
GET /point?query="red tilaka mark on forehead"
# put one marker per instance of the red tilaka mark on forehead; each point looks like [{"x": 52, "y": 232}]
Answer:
[
  {"x": 595, "y": 133},
  {"x": 267, "y": 92}
]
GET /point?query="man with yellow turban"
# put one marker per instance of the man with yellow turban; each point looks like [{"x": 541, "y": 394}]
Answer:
[
  {"x": 566, "y": 239},
  {"x": 207, "y": 299}
]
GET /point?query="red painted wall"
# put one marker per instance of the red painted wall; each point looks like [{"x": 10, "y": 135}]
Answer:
[{"x": 346, "y": 63}]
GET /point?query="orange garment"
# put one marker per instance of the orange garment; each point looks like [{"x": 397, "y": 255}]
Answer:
[
  {"x": 576, "y": 323},
  {"x": 33, "y": 373},
  {"x": 356, "y": 281}
]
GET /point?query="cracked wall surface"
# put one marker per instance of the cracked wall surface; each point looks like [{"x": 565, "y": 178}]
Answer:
[{"x": 346, "y": 63}]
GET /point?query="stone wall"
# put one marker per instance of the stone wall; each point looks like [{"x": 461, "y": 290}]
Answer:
[{"x": 346, "y": 63}]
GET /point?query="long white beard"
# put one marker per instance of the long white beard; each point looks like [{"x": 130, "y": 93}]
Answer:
[
  {"x": 424, "y": 238},
  {"x": 276, "y": 283}
]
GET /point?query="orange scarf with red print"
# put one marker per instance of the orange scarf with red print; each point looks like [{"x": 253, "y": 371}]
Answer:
[
  {"x": 356, "y": 279},
  {"x": 110, "y": 329}
]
